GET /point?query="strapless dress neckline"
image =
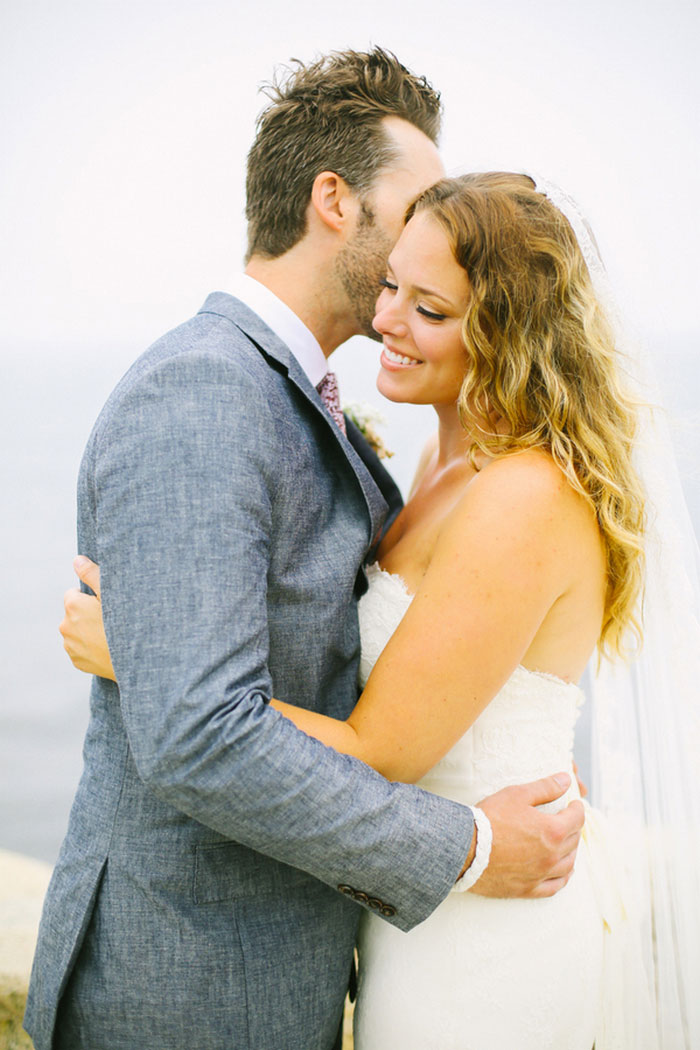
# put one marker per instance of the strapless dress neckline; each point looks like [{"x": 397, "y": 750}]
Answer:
[{"x": 395, "y": 580}]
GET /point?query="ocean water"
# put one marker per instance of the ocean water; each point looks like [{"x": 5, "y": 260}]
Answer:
[{"x": 48, "y": 403}]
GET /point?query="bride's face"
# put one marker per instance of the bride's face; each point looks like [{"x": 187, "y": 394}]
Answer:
[{"x": 419, "y": 315}]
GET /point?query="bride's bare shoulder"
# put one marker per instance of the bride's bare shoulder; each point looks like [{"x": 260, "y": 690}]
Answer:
[
  {"x": 532, "y": 472},
  {"x": 525, "y": 486},
  {"x": 523, "y": 520}
]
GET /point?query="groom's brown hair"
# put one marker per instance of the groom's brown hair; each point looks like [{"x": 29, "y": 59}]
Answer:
[{"x": 327, "y": 116}]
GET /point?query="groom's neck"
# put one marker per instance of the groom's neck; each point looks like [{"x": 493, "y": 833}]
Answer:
[{"x": 306, "y": 281}]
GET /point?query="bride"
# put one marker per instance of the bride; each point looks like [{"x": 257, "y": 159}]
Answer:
[{"x": 520, "y": 551}]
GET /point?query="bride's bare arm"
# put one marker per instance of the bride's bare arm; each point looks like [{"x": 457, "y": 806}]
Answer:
[{"x": 498, "y": 568}]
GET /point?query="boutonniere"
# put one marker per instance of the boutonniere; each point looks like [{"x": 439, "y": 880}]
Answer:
[{"x": 367, "y": 418}]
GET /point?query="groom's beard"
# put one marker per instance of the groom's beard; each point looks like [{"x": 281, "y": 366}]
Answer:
[{"x": 360, "y": 266}]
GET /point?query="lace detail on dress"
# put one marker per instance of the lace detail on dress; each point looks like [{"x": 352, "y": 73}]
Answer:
[{"x": 380, "y": 610}]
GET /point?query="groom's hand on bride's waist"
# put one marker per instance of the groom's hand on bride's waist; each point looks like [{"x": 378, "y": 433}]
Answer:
[{"x": 533, "y": 851}]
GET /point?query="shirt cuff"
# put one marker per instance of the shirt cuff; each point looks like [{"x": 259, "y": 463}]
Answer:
[{"x": 484, "y": 839}]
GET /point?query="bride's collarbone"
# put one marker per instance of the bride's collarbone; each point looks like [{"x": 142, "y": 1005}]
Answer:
[
  {"x": 413, "y": 536},
  {"x": 408, "y": 547}
]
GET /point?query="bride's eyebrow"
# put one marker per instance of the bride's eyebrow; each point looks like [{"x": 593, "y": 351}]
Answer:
[
  {"x": 433, "y": 294},
  {"x": 422, "y": 291}
]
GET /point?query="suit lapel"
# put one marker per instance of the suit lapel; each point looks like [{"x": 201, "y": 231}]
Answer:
[
  {"x": 370, "y": 474},
  {"x": 382, "y": 478}
]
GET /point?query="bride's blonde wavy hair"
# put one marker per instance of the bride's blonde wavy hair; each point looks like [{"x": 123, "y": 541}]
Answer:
[{"x": 541, "y": 357}]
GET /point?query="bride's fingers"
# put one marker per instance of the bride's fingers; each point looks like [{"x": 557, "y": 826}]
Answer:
[
  {"x": 583, "y": 790},
  {"x": 81, "y": 627},
  {"x": 89, "y": 572}
]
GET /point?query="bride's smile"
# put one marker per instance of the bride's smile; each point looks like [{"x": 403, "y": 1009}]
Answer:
[
  {"x": 419, "y": 315},
  {"x": 391, "y": 359}
]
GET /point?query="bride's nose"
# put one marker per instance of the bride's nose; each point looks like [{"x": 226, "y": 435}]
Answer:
[{"x": 388, "y": 319}]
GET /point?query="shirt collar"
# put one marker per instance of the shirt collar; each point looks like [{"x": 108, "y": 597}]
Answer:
[{"x": 284, "y": 323}]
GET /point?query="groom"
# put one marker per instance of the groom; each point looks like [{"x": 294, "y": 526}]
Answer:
[{"x": 206, "y": 893}]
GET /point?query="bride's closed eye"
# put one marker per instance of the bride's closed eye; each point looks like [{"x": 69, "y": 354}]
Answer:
[{"x": 430, "y": 314}]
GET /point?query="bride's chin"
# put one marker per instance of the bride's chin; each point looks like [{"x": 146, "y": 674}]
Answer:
[{"x": 397, "y": 391}]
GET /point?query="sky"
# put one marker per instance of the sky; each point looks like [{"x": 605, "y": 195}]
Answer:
[{"x": 124, "y": 127}]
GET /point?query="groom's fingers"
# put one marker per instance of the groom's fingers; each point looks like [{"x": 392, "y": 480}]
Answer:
[
  {"x": 562, "y": 837},
  {"x": 548, "y": 789},
  {"x": 549, "y": 887},
  {"x": 559, "y": 875},
  {"x": 562, "y": 869},
  {"x": 569, "y": 823},
  {"x": 533, "y": 850},
  {"x": 88, "y": 572}
]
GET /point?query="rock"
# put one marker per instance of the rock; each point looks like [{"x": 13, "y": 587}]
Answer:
[
  {"x": 348, "y": 1042},
  {"x": 23, "y": 884}
]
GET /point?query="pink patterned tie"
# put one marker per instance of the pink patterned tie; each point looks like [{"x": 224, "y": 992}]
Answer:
[{"x": 328, "y": 389}]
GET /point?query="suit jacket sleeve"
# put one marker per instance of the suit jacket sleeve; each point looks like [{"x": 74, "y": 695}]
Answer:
[{"x": 181, "y": 489}]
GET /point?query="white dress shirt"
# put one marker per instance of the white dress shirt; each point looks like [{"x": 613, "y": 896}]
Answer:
[{"x": 284, "y": 323}]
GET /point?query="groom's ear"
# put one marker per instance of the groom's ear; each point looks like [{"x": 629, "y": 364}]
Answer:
[{"x": 332, "y": 204}]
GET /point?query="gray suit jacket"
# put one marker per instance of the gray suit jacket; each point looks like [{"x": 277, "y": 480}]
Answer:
[{"x": 206, "y": 892}]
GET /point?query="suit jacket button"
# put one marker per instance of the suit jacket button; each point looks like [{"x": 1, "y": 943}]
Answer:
[
  {"x": 348, "y": 891},
  {"x": 375, "y": 904},
  {"x": 361, "y": 897},
  {"x": 388, "y": 910}
]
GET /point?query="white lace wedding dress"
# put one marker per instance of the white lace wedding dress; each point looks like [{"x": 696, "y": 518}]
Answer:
[{"x": 479, "y": 973}]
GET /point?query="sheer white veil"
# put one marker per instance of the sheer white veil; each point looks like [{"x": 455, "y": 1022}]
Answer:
[{"x": 646, "y": 732}]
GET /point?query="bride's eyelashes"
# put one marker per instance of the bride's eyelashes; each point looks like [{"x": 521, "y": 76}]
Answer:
[{"x": 430, "y": 314}]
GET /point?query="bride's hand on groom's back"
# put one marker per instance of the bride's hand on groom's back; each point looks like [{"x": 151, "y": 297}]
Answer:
[
  {"x": 82, "y": 627},
  {"x": 533, "y": 851}
]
